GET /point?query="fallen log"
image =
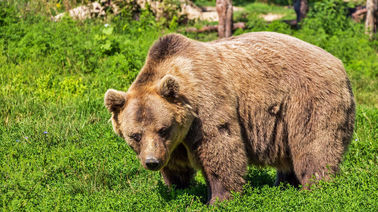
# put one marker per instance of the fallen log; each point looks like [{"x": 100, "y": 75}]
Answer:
[
  {"x": 214, "y": 28},
  {"x": 358, "y": 13}
]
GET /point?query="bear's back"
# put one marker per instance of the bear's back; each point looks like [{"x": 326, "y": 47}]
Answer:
[
  {"x": 269, "y": 62},
  {"x": 280, "y": 52}
]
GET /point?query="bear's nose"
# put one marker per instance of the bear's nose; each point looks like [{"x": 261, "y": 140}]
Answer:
[{"x": 152, "y": 163}]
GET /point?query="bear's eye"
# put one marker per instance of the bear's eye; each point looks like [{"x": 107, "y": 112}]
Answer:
[
  {"x": 136, "y": 136},
  {"x": 164, "y": 131}
]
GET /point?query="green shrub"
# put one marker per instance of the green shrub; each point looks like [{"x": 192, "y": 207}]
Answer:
[{"x": 328, "y": 15}]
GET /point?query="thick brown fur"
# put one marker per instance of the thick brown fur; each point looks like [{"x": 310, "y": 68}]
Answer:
[{"x": 261, "y": 98}]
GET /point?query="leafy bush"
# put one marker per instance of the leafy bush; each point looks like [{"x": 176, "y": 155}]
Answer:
[{"x": 328, "y": 15}]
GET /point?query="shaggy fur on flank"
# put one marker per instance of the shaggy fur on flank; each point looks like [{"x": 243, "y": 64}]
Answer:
[{"x": 260, "y": 98}]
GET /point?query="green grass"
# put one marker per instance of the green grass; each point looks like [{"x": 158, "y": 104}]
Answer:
[
  {"x": 258, "y": 8},
  {"x": 205, "y": 3},
  {"x": 58, "y": 150}
]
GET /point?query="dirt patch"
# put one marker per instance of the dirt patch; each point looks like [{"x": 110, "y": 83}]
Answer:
[{"x": 271, "y": 17}]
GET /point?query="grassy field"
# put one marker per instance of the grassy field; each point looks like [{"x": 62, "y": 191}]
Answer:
[{"x": 57, "y": 147}]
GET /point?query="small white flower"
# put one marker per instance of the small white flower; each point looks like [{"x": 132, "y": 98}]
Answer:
[{"x": 106, "y": 25}]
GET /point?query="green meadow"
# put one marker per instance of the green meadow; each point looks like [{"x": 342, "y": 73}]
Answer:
[{"x": 57, "y": 147}]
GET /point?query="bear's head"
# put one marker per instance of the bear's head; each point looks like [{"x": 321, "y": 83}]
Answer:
[{"x": 152, "y": 119}]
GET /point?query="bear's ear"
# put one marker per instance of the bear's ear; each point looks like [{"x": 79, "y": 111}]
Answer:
[
  {"x": 114, "y": 100},
  {"x": 169, "y": 87}
]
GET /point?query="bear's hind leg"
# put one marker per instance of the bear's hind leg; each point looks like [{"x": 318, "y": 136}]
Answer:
[
  {"x": 309, "y": 169},
  {"x": 286, "y": 177}
]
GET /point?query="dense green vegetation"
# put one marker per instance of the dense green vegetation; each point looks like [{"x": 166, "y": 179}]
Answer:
[{"x": 57, "y": 148}]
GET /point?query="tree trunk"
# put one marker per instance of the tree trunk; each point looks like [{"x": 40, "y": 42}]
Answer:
[
  {"x": 301, "y": 9},
  {"x": 371, "y": 17},
  {"x": 224, "y": 10}
]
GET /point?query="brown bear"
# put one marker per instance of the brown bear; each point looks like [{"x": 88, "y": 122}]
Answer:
[{"x": 260, "y": 98}]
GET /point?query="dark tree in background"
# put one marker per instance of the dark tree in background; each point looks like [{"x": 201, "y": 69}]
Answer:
[
  {"x": 301, "y": 9},
  {"x": 371, "y": 17},
  {"x": 224, "y": 10}
]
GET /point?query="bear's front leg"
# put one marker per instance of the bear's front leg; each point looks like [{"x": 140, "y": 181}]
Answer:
[
  {"x": 181, "y": 177},
  {"x": 216, "y": 190},
  {"x": 178, "y": 171},
  {"x": 224, "y": 164}
]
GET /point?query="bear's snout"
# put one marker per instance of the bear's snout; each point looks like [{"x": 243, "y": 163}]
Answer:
[
  {"x": 152, "y": 163},
  {"x": 153, "y": 154}
]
